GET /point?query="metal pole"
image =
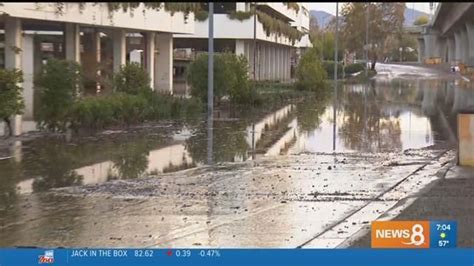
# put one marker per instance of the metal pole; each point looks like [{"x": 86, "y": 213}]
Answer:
[
  {"x": 335, "y": 79},
  {"x": 210, "y": 84},
  {"x": 367, "y": 39},
  {"x": 254, "y": 40},
  {"x": 210, "y": 70}
]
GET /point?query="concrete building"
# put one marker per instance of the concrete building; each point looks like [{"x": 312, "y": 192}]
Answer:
[
  {"x": 275, "y": 52},
  {"x": 449, "y": 37},
  {"x": 98, "y": 37}
]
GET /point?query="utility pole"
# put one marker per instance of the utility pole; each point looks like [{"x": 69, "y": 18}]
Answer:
[
  {"x": 335, "y": 79},
  {"x": 210, "y": 83},
  {"x": 210, "y": 70},
  {"x": 254, "y": 41}
]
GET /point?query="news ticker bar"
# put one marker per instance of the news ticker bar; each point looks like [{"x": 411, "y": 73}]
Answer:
[{"x": 274, "y": 257}]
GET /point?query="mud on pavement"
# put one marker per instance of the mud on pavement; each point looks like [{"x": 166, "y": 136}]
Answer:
[{"x": 305, "y": 200}]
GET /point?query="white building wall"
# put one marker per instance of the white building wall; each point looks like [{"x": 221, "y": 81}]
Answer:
[
  {"x": 28, "y": 75},
  {"x": 97, "y": 14},
  {"x": 233, "y": 29}
]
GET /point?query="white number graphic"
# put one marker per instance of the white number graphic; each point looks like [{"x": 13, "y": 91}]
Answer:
[{"x": 417, "y": 238}]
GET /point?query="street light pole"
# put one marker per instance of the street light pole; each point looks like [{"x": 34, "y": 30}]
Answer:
[
  {"x": 210, "y": 70},
  {"x": 254, "y": 40},
  {"x": 335, "y": 79},
  {"x": 210, "y": 84}
]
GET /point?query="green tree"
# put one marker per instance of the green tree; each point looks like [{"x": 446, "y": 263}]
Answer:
[
  {"x": 325, "y": 42},
  {"x": 230, "y": 77},
  {"x": 60, "y": 83},
  {"x": 386, "y": 19},
  {"x": 310, "y": 72},
  {"x": 132, "y": 79},
  {"x": 421, "y": 20},
  {"x": 314, "y": 30},
  {"x": 10, "y": 93}
]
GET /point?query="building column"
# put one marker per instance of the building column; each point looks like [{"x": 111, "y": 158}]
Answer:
[
  {"x": 261, "y": 61},
  {"x": 270, "y": 62},
  {"x": 421, "y": 50},
  {"x": 91, "y": 57},
  {"x": 120, "y": 46},
  {"x": 457, "y": 44},
  {"x": 150, "y": 57},
  {"x": 464, "y": 45},
  {"x": 274, "y": 63},
  {"x": 72, "y": 42},
  {"x": 96, "y": 46},
  {"x": 431, "y": 46},
  {"x": 239, "y": 47},
  {"x": 282, "y": 63},
  {"x": 267, "y": 67},
  {"x": 287, "y": 63},
  {"x": 251, "y": 65},
  {"x": 164, "y": 63},
  {"x": 451, "y": 49},
  {"x": 28, "y": 65},
  {"x": 13, "y": 42},
  {"x": 277, "y": 62},
  {"x": 470, "y": 37}
]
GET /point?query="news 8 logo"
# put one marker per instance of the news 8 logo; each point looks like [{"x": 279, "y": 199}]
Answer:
[{"x": 413, "y": 234}]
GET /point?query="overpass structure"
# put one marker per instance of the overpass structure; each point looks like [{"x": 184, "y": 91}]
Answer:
[{"x": 449, "y": 36}]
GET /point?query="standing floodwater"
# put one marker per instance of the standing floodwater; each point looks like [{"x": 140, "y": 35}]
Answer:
[{"x": 382, "y": 117}]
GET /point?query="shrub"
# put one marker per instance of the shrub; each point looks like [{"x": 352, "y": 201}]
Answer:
[
  {"x": 240, "y": 15},
  {"x": 230, "y": 77},
  {"x": 60, "y": 83},
  {"x": 310, "y": 73},
  {"x": 197, "y": 77},
  {"x": 201, "y": 15},
  {"x": 10, "y": 93},
  {"x": 132, "y": 79},
  {"x": 239, "y": 88},
  {"x": 354, "y": 68},
  {"x": 279, "y": 27},
  {"x": 98, "y": 112},
  {"x": 329, "y": 67}
]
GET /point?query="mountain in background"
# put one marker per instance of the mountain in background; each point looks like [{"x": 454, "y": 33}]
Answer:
[
  {"x": 324, "y": 17},
  {"x": 411, "y": 15}
]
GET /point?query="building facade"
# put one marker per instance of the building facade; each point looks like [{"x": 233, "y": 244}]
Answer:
[
  {"x": 276, "y": 51},
  {"x": 97, "y": 36}
]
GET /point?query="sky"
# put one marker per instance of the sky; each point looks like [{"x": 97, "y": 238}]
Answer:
[{"x": 330, "y": 7}]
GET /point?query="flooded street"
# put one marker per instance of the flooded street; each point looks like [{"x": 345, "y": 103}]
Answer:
[{"x": 275, "y": 182}]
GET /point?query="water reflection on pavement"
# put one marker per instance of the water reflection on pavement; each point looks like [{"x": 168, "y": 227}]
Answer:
[{"x": 276, "y": 183}]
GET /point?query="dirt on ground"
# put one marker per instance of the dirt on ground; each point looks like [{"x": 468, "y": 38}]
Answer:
[{"x": 449, "y": 199}]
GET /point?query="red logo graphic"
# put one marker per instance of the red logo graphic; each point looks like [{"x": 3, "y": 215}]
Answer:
[{"x": 47, "y": 258}]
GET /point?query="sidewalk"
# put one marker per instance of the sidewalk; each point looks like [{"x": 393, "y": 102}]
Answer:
[{"x": 451, "y": 198}]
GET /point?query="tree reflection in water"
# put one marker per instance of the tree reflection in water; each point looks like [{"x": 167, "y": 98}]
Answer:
[
  {"x": 9, "y": 170},
  {"x": 131, "y": 161},
  {"x": 55, "y": 168},
  {"x": 310, "y": 111},
  {"x": 369, "y": 122},
  {"x": 229, "y": 142}
]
